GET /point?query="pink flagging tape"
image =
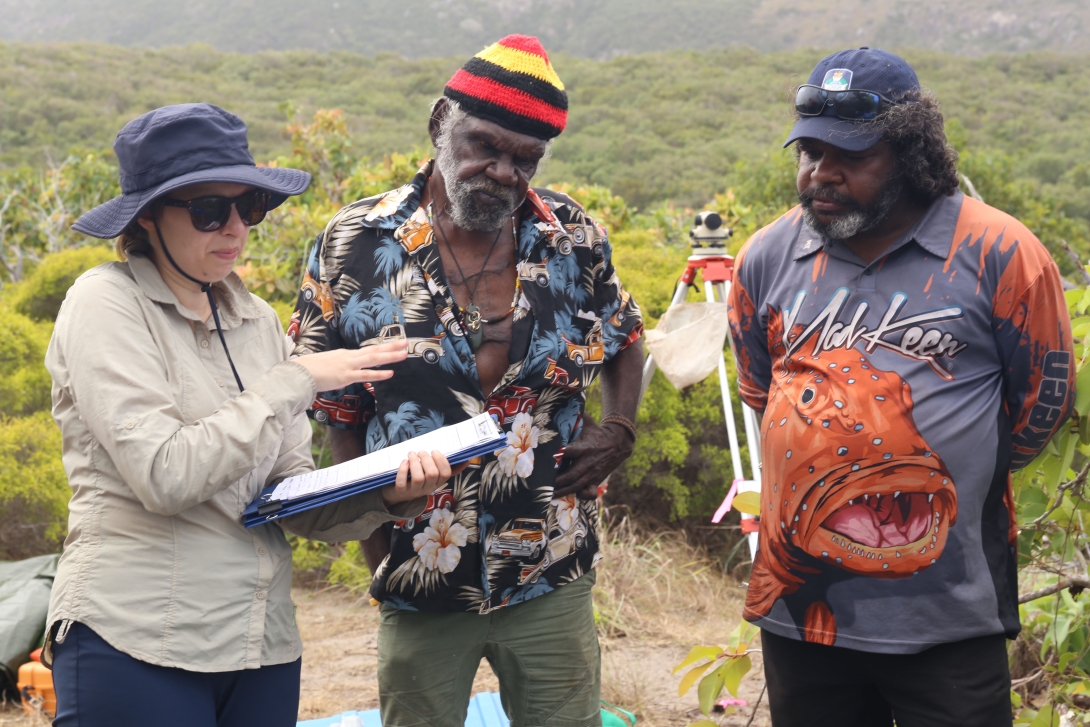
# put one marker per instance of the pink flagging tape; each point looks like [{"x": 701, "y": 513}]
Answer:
[{"x": 724, "y": 508}]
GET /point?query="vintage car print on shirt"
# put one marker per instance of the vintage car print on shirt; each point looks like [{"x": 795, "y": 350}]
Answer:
[
  {"x": 321, "y": 293},
  {"x": 439, "y": 500},
  {"x": 593, "y": 352},
  {"x": 537, "y": 272},
  {"x": 429, "y": 349}
]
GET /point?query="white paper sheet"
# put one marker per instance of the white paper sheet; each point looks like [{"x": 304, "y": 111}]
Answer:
[{"x": 448, "y": 440}]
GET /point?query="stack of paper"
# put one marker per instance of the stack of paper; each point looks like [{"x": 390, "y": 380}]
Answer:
[{"x": 459, "y": 443}]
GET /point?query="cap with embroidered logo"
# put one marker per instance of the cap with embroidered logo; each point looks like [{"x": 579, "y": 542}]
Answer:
[{"x": 866, "y": 69}]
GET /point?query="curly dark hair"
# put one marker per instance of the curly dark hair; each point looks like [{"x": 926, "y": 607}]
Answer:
[{"x": 915, "y": 128}]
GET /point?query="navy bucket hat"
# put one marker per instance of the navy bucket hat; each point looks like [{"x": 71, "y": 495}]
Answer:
[
  {"x": 177, "y": 146},
  {"x": 867, "y": 69}
]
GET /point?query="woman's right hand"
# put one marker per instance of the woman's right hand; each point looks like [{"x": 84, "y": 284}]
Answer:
[{"x": 337, "y": 369}]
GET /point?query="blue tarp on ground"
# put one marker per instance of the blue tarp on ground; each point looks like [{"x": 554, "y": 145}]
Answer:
[{"x": 485, "y": 710}]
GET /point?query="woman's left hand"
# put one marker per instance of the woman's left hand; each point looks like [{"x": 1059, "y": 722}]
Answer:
[{"x": 421, "y": 474}]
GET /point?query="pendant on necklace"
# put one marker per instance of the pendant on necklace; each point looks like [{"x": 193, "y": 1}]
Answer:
[{"x": 474, "y": 331}]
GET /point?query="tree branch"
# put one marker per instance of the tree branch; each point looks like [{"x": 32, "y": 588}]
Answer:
[
  {"x": 1077, "y": 482},
  {"x": 757, "y": 704},
  {"x": 1075, "y": 259},
  {"x": 1069, "y": 582},
  {"x": 972, "y": 189}
]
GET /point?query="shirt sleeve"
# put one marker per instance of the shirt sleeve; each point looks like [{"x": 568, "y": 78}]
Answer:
[
  {"x": 751, "y": 354},
  {"x": 315, "y": 328},
  {"x": 122, "y": 392},
  {"x": 1032, "y": 329},
  {"x": 622, "y": 322},
  {"x": 353, "y": 518}
]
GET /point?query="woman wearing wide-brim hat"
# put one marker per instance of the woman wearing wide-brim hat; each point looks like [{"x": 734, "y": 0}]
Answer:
[{"x": 178, "y": 404}]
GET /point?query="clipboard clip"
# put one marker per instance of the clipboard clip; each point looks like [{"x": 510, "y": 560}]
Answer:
[{"x": 270, "y": 507}]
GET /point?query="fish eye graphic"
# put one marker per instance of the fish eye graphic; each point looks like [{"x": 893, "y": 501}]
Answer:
[{"x": 807, "y": 395}]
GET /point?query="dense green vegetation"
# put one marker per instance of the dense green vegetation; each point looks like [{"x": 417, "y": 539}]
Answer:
[
  {"x": 653, "y": 128},
  {"x": 588, "y": 28}
]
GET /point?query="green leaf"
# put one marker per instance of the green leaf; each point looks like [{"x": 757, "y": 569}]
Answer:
[
  {"x": 1065, "y": 659},
  {"x": 1079, "y": 326},
  {"x": 690, "y": 678},
  {"x": 740, "y": 638},
  {"x": 1082, "y": 390},
  {"x": 708, "y": 691},
  {"x": 1046, "y": 718},
  {"x": 703, "y": 723},
  {"x": 733, "y": 671},
  {"x": 1061, "y": 628},
  {"x": 696, "y": 654},
  {"x": 1073, "y": 297},
  {"x": 747, "y": 502}
]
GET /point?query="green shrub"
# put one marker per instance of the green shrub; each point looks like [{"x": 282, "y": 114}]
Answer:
[
  {"x": 39, "y": 295},
  {"x": 34, "y": 491},
  {"x": 24, "y": 382},
  {"x": 350, "y": 570}
]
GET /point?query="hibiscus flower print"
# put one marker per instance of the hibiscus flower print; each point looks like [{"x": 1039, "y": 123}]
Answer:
[
  {"x": 567, "y": 511},
  {"x": 439, "y": 546},
  {"x": 389, "y": 203},
  {"x": 518, "y": 458}
]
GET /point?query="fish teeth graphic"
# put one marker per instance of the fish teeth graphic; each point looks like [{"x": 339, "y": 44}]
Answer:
[{"x": 850, "y": 445}]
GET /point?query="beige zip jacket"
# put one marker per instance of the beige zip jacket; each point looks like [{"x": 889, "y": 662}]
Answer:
[{"x": 163, "y": 454}]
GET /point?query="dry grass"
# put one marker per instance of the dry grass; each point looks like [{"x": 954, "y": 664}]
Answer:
[
  {"x": 661, "y": 588},
  {"x": 12, "y": 715},
  {"x": 657, "y": 596}
]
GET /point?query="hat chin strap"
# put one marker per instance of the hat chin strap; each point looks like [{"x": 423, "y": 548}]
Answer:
[{"x": 206, "y": 288}]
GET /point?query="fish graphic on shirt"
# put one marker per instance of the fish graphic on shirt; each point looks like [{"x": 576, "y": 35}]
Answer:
[{"x": 848, "y": 483}]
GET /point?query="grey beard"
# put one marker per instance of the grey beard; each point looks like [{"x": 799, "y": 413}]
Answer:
[
  {"x": 466, "y": 213},
  {"x": 865, "y": 219}
]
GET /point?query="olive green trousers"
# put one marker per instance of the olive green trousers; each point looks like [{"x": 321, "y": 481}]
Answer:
[{"x": 544, "y": 652}]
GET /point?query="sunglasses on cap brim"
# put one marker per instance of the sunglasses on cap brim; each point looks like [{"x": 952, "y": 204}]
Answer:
[
  {"x": 211, "y": 213},
  {"x": 853, "y": 105}
]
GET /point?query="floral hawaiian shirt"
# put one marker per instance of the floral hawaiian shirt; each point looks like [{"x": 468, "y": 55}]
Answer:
[{"x": 494, "y": 535}]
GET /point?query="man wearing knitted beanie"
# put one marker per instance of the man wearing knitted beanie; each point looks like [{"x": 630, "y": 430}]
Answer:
[{"x": 510, "y": 304}]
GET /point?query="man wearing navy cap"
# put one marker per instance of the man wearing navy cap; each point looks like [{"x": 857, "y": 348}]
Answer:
[{"x": 909, "y": 347}]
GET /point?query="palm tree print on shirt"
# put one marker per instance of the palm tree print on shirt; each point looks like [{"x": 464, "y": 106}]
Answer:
[{"x": 378, "y": 258}]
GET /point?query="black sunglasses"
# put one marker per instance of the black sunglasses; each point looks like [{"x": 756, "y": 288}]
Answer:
[
  {"x": 211, "y": 213},
  {"x": 854, "y": 105}
]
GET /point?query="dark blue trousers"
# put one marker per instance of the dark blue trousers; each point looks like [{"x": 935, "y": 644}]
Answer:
[{"x": 99, "y": 686}]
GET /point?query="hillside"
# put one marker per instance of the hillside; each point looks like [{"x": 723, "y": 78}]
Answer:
[
  {"x": 587, "y": 28},
  {"x": 653, "y": 127}
]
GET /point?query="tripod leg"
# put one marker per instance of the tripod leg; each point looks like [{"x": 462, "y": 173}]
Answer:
[
  {"x": 728, "y": 409},
  {"x": 749, "y": 417},
  {"x": 649, "y": 363},
  {"x": 753, "y": 436}
]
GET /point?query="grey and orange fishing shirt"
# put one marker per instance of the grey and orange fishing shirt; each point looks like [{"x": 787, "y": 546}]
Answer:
[{"x": 898, "y": 396}]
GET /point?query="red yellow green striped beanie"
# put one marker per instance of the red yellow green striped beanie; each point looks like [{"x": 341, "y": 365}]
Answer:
[{"x": 512, "y": 83}]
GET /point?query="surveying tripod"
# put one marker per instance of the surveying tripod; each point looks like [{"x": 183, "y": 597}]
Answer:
[{"x": 717, "y": 269}]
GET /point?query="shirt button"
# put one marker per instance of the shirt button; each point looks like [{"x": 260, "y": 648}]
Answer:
[
  {"x": 219, "y": 382},
  {"x": 262, "y": 551},
  {"x": 261, "y": 595},
  {"x": 868, "y": 271},
  {"x": 204, "y": 343},
  {"x": 129, "y": 424}
]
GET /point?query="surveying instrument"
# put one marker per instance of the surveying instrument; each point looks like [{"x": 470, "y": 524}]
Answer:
[{"x": 708, "y": 239}]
